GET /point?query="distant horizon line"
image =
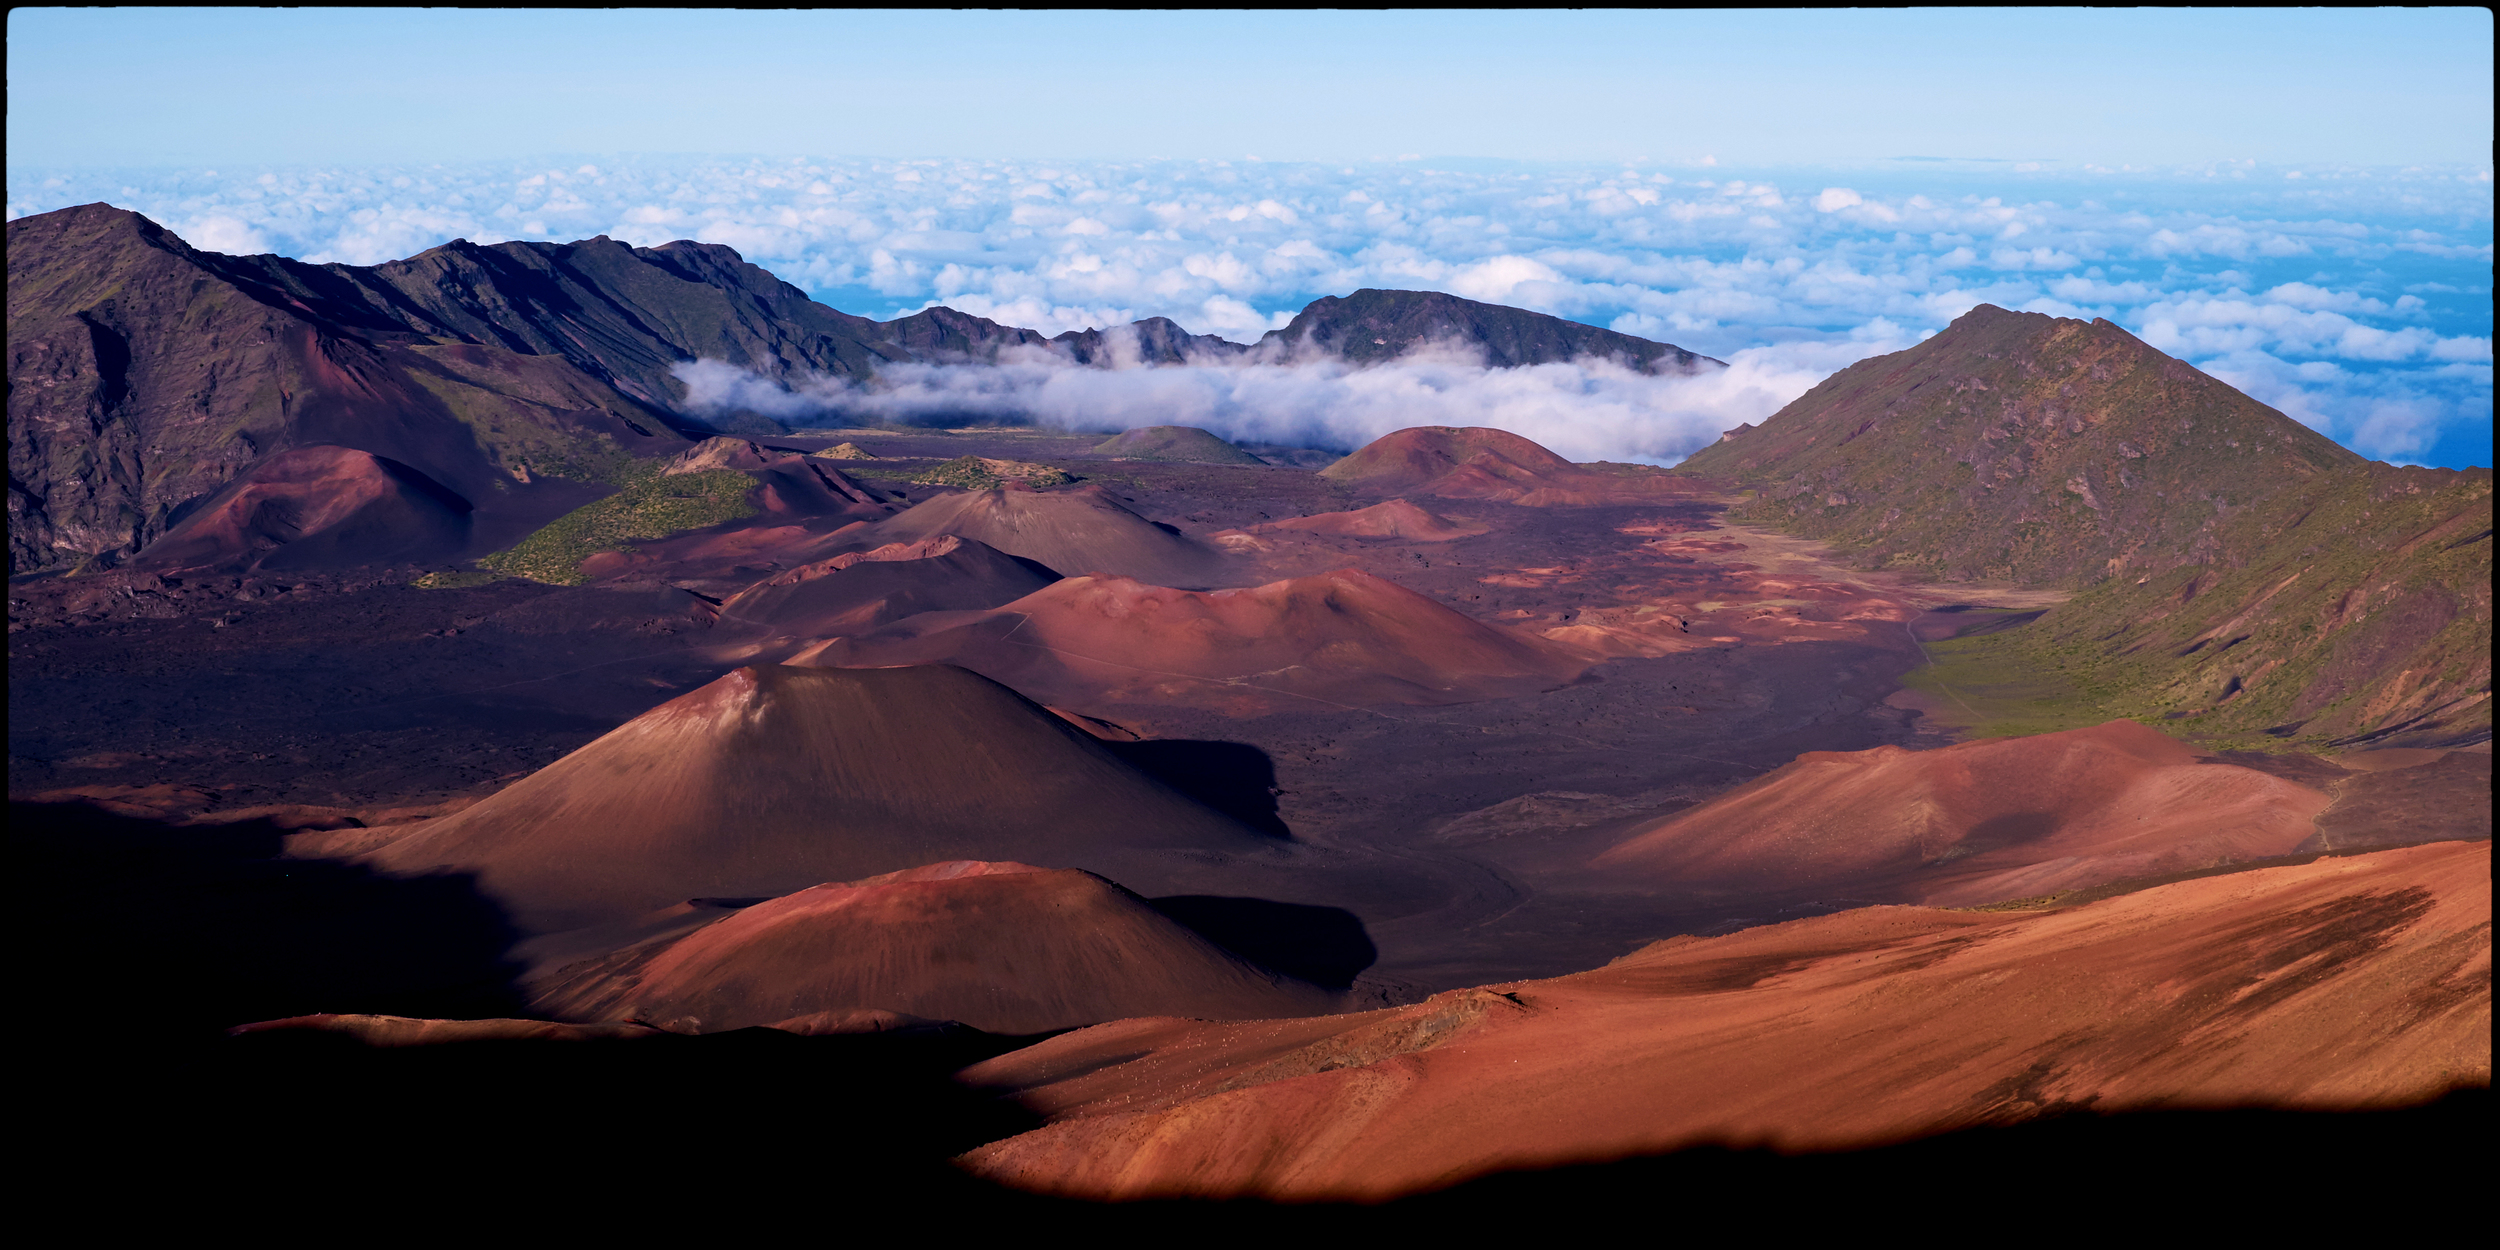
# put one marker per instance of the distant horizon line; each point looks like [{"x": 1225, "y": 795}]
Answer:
[{"x": 2017, "y": 165}]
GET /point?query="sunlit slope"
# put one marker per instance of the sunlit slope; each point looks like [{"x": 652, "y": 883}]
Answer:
[
  {"x": 2240, "y": 572},
  {"x": 2340, "y": 984}
]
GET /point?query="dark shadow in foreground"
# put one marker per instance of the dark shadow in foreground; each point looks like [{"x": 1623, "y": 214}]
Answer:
[
  {"x": 1326, "y": 946},
  {"x": 730, "y": 1128},
  {"x": 146, "y": 930},
  {"x": 1234, "y": 778}
]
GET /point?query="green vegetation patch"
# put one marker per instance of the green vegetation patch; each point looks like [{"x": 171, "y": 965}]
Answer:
[
  {"x": 454, "y": 580},
  {"x": 1994, "y": 686},
  {"x": 984, "y": 473},
  {"x": 651, "y": 506}
]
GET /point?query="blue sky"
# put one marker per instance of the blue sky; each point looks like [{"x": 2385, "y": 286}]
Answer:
[
  {"x": 141, "y": 86},
  {"x": 2298, "y": 201}
]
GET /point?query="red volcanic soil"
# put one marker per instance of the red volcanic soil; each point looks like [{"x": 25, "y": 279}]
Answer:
[
  {"x": 1478, "y": 463},
  {"x": 858, "y": 591},
  {"x": 317, "y": 506},
  {"x": 1344, "y": 638},
  {"x": 1394, "y": 519},
  {"x": 1418, "y": 457},
  {"x": 1975, "y": 823},
  {"x": 1084, "y": 530},
  {"x": 775, "y": 779},
  {"x": 2340, "y": 984},
  {"x": 1004, "y": 947}
]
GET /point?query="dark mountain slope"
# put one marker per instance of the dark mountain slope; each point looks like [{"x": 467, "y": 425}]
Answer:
[
  {"x": 1373, "y": 326},
  {"x": 1154, "y": 341},
  {"x": 2021, "y": 446}
]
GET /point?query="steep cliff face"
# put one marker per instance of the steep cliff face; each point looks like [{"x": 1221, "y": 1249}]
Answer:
[
  {"x": 145, "y": 375},
  {"x": 2017, "y": 445}
]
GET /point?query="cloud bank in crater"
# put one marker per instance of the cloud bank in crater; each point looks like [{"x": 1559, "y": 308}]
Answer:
[{"x": 1589, "y": 409}]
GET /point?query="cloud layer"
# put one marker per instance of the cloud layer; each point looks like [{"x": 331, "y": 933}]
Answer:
[
  {"x": 2355, "y": 300},
  {"x": 1586, "y": 410}
]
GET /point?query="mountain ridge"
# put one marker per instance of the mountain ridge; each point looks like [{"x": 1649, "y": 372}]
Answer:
[{"x": 525, "y": 378}]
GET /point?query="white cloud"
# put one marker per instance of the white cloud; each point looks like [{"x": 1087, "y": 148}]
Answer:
[
  {"x": 2385, "y": 414},
  {"x": 2383, "y": 270},
  {"x": 230, "y": 235},
  {"x": 1587, "y": 409},
  {"x": 2463, "y": 349},
  {"x": 1493, "y": 281}
]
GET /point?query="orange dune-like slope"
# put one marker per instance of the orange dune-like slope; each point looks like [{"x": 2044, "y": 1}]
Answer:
[
  {"x": 774, "y": 779},
  {"x": 1004, "y": 947},
  {"x": 1394, "y": 519},
  {"x": 1084, "y": 530},
  {"x": 861, "y": 590},
  {"x": 317, "y": 505},
  {"x": 1417, "y": 457},
  {"x": 1974, "y": 823},
  {"x": 2344, "y": 983},
  {"x": 1345, "y": 638},
  {"x": 1479, "y": 463}
]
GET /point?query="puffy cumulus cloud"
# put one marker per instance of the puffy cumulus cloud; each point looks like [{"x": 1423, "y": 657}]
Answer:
[
  {"x": 2203, "y": 326},
  {"x": 220, "y": 233},
  {"x": 2386, "y": 269},
  {"x": 2439, "y": 415},
  {"x": 1496, "y": 281}
]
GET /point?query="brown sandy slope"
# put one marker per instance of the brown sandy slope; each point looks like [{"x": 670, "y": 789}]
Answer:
[
  {"x": 312, "y": 506},
  {"x": 1084, "y": 530},
  {"x": 1412, "y": 459},
  {"x": 1478, "y": 463},
  {"x": 1004, "y": 947},
  {"x": 861, "y": 590},
  {"x": 2339, "y": 984},
  {"x": 1345, "y": 638},
  {"x": 775, "y": 779},
  {"x": 789, "y": 483},
  {"x": 1173, "y": 442},
  {"x": 1394, "y": 519},
  {"x": 1974, "y": 823}
]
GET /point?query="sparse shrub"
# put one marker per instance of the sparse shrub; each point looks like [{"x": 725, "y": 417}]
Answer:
[
  {"x": 453, "y": 580},
  {"x": 651, "y": 506},
  {"x": 984, "y": 473}
]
